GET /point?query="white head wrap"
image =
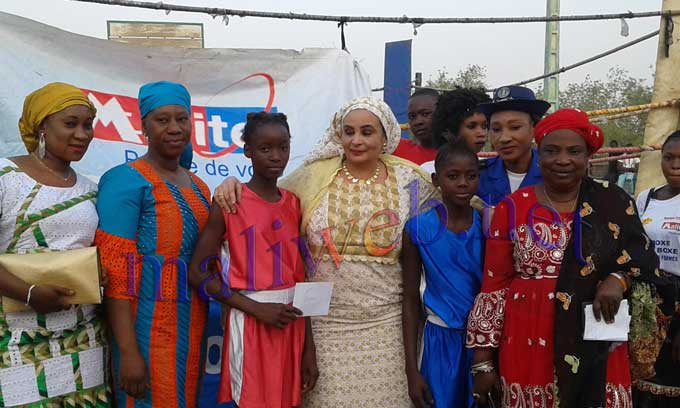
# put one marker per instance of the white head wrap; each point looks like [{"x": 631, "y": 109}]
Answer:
[{"x": 330, "y": 146}]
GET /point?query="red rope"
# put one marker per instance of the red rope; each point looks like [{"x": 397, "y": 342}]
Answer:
[{"x": 613, "y": 158}]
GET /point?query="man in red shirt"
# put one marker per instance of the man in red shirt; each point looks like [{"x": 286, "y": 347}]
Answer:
[{"x": 421, "y": 106}]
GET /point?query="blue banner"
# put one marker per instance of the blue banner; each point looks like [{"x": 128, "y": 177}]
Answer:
[{"x": 398, "y": 79}]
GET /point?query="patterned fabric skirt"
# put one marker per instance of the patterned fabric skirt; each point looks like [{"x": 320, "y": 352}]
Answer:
[
  {"x": 528, "y": 335},
  {"x": 654, "y": 394},
  {"x": 360, "y": 368},
  {"x": 53, "y": 360},
  {"x": 359, "y": 345},
  {"x": 663, "y": 390}
]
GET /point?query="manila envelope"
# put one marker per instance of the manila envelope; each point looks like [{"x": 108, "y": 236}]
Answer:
[{"x": 76, "y": 269}]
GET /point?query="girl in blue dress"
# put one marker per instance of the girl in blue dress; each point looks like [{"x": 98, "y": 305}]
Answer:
[{"x": 445, "y": 244}]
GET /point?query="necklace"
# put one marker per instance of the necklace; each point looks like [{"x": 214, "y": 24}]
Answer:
[
  {"x": 355, "y": 180},
  {"x": 61, "y": 176},
  {"x": 557, "y": 252},
  {"x": 573, "y": 204}
]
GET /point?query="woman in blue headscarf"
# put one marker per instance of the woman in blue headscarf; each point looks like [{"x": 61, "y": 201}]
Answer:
[{"x": 150, "y": 214}]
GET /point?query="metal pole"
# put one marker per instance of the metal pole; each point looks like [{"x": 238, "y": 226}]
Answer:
[{"x": 551, "y": 85}]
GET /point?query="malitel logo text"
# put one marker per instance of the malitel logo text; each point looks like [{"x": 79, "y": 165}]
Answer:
[{"x": 216, "y": 131}]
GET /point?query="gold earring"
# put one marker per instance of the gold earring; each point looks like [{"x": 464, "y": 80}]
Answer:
[{"x": 41, "y": 145}]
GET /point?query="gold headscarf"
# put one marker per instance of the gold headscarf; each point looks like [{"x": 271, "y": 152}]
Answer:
[{"x": 42, "y": 103}]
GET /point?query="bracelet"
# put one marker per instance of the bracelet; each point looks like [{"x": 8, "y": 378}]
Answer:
[
  {"x": 28, "y": 296},
  {"x": 485, "y": 370},
  {"x": 482, "y": 363},
  {"x": 482, "y": 367},
  {"x": 621, "y": 280}
]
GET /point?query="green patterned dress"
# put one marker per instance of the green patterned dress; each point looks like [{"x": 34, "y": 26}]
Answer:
[{"x": 56, "y": 359}]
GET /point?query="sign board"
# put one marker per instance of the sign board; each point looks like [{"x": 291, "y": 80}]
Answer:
[{"x": 185, "y": 35}]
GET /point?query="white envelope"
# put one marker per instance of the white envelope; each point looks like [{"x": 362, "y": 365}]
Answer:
[
  {"x": 601, "y": 331},
  {"x": 313, "y": 298}
]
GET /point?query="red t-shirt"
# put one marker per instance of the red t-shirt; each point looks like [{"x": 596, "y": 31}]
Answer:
[
  {"x": 263, "y": 249},
  {"x": 414, "y": 152}
]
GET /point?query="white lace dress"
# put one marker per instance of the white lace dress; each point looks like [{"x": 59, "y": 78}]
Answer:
[
  {"x": 57, "y": 359},
  {"x": 360, "y": 352}
]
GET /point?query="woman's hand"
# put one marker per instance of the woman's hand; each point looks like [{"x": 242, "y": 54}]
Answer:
[
  {"x": 310, "y": 371},
  {"x": 133, "y": 376},
  {"x": 228, "y": 194},
  {"x": 675, "y": 348},
  {"x": 418, "y": 391},
  {"x": 607, "y": 299},
  {"x": 276, "y": 314},
  {"x": 482, "y": 386},
  {"x": 49, "y": 298}
]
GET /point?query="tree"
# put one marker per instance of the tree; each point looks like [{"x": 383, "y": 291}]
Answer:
[
  {"x": 618, "y": 89},
  {"x": 472, "y": 76}
]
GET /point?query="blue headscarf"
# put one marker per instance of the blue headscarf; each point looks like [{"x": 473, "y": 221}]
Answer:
[
  {"x": 162, "y": 93},
  {"x": 156, "y": 94}
]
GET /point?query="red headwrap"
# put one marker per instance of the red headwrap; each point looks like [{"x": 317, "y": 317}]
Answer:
[{"x": 571, "y": 119}]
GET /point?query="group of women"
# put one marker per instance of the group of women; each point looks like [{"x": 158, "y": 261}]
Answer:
[
  {"x": 57, "y": 355},
  {"x": 557, "y": 239},
  {"x": 552, "y": 247}
]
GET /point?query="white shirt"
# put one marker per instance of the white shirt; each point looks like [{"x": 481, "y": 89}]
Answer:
[
  {"x": 515, "y": 180},
  {"x": 629, "y": 164},
  {"x": 70, "y": 229},
  {"x": 661, "y": 220}
]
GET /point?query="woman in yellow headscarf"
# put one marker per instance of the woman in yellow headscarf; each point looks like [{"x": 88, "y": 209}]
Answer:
[{"x": 54, "y": 354}]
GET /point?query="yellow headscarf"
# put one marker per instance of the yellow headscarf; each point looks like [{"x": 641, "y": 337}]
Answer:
[{"x": 42, "y": 103}]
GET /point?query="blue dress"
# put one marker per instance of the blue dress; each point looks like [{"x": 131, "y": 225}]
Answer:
[
  {"x": 452, "y": 265},
  {"x": 147, "y": 231},
  {"x": 493, "y": 179}
]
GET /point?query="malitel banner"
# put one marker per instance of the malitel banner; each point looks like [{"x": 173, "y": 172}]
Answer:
[{"x": 225, "y": 84}]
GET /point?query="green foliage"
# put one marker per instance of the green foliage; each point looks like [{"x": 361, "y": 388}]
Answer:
[
  {"x": 472, "y": 76},
  {"x": 619, "y": 89}
]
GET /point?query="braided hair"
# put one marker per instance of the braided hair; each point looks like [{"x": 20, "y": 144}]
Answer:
[
  {"x": 452, "y": 151},
  {"x": 257, "y": 119}
]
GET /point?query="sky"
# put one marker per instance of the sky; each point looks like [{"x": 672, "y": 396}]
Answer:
[{"x": 509, "y": 52}]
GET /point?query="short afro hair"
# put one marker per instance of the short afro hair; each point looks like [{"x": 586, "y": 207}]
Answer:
[
  {"x": 425, "y": 92},
  {"x": 452, "y": 109}
]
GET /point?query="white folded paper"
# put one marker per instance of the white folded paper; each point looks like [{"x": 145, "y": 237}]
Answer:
[
  {"x": 313, "y": 298},
  {"x": 601, "y": 331}
]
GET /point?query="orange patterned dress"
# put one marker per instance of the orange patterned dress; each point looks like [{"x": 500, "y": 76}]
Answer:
[{"x": 148, "y": 228}]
